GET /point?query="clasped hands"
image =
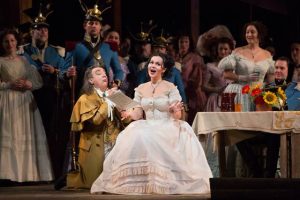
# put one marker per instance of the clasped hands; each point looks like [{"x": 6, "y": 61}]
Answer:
[
  {"x": 21, "y": 84},
  {"x": 251, "y": 77}
]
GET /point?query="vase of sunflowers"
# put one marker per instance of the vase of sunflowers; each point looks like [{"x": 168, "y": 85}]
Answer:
[{"x": 266, "y": 98}]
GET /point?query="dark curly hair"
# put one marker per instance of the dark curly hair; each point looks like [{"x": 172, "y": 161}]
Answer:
[
  {"x": 261, "y": 30},
  {"x": 168, "y": 63},
  {"x": 5, "y": 32}
]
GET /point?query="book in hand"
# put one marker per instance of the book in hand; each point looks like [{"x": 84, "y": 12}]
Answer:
[{"x": 122, "y": 101}]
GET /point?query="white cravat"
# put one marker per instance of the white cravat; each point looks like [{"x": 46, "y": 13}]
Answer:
[{"x": 110, "y": 104}]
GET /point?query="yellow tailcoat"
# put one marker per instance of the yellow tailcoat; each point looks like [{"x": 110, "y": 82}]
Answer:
[{"x": 89, "y": 117}]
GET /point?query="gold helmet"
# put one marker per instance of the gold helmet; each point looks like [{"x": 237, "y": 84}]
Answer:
[
  {"x": 144, "y": 36},
  {"x": 160, "y": 41},
  {"x": 39, "y": 19},
  {"x": 92, "y": 13}
]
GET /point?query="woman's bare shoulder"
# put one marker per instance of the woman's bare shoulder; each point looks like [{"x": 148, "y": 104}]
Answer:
[
  {"x": 266, "y": 53},
  {"x": 239, "y": 50},
  {"x": 168, "y": 84},
  {"x": 141, "y": 87}
]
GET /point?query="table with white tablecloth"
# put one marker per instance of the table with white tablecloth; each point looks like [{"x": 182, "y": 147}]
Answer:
[{"x": 244, "y": 125}]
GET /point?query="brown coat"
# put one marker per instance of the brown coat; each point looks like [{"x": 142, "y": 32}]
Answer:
[{"x": 89, "y": 117}]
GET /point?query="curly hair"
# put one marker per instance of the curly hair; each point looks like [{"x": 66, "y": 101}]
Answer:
[
  {"x": 168, "y": 63},
  {"x": 4, "y": 33}
]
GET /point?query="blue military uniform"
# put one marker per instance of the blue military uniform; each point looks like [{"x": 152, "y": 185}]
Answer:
[
  {"x": 293, "y": 96},
  {"x": 52, "y": 55},
  {"x": 52, "y": 99},
  {"x": 110, "y": 59},
  {"x": 80, "y": 57}
]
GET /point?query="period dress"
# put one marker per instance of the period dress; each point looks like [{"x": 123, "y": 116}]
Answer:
[
  {"x": 244, "y": 66},
  {"x": 23, "y": 147},
  {"x": 215, "y": 83},
  {"x": 159, "y": 155}
]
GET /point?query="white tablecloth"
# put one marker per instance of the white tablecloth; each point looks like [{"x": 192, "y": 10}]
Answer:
[
  {"x": 242, "y": 125},
  {"x": 270, "y": 121}
]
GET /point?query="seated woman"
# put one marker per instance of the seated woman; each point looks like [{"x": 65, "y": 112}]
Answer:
[{"x": 159, "y": 155}]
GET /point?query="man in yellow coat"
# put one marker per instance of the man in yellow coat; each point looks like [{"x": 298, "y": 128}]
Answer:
[{"x": 98, "y": 122}]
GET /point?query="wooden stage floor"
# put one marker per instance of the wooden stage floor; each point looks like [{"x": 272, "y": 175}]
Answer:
[{"x": 46, "y": 192}]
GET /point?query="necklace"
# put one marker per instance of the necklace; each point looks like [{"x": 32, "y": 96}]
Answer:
[
  {"x": 253, "y": 52},
  {"x": 154, "y": 86}
]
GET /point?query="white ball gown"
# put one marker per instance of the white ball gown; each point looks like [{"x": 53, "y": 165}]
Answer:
[
  {"x": 24, "y": 152},
  {"x": 159, "y": 155}
]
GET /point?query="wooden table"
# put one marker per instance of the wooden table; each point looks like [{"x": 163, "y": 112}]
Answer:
[{"x": 285, "y": 123}]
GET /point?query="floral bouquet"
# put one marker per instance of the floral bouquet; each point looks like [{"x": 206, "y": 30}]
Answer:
[{"x": 270, "y": 97}]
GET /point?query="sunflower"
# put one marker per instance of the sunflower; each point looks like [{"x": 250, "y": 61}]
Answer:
[
  {"x": 270, "y": 98},
  {"x": 281, "y": 94}
]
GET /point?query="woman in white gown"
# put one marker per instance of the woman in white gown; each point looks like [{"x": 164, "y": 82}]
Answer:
[
  {"x": 159, "y": 155},
  {"x": 23, "y": 146},
  {"x": 249, "y": 64}
]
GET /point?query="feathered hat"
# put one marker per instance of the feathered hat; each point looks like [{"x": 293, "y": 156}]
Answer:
[
  {"x": 207, "y": 40},
  {"x": 39, "y": 19},
  {"x": 93, "y": 13},
  {"x": 160, "y": 41},
  {"x": 144, "y": 36}
]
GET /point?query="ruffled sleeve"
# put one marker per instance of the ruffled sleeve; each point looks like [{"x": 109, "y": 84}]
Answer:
[
  {"x": 228, "y": 63},
  {"x": 137, "y": 95},
  {"x": 33, "y": 75},
  {"x": 3, "y": 85},
  {"x": 271, "y": 69},
  {"x": 174, "y": 95}
]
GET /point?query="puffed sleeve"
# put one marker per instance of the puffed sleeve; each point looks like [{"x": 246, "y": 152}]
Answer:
[
  {"x": 137, "y": 112},
  {"x": 228, "y": 63},
  {"x": 137, "y": 95},
  {"x": 3, "y": 85},
  {"x": 174, "y": 95},
  {"x": 33, "y": 75},
  {"x": 271, "y": 69}
]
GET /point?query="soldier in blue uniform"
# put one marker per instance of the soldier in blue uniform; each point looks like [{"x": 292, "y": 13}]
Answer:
[
  {"x": 49, "y": 60},
  {"x": 93, "y": 51},
  {"x": 89, "y": 52}
]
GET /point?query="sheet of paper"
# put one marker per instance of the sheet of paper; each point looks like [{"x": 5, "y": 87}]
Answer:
[{"x": 122, "y": 101}]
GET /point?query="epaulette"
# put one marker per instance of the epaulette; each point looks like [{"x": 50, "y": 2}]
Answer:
[
  {"x": 20, "y": 50},
  {"x": 60, "y": 50}
]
